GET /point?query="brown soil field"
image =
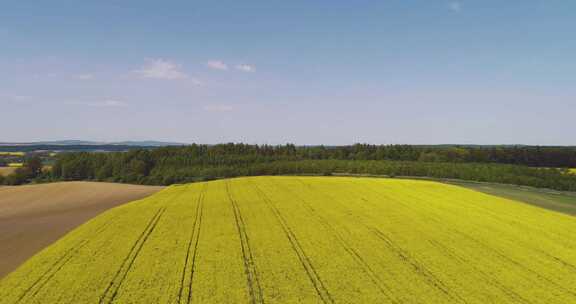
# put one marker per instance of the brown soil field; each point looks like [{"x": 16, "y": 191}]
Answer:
[{"x": 34, "y": 216}]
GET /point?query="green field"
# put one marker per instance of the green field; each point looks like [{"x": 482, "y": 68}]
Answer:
[
  {"x": 564, "y": 202},
  {"x": 309, "y": 240}
]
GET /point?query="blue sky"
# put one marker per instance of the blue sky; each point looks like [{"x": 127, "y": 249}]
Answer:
[{"x": 301, "y": 71}]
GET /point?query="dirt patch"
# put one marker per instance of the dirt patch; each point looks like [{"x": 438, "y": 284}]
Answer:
[{"x": 34, "y": 216}]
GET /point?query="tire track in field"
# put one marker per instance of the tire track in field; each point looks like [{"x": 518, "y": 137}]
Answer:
[
  {"x": 356, "y": 256},
  {"x": 487, "y": 277},
  {"x": 256, "y": 295},
  {"x": 515, "y": 263},
  {"x": 558, "y": 260},
  {"x": 319, "y": 286},
  {"x": 59, "y": 264},
  {"x": 494, "y": 250},
  {"x": 194, "y": 239},
  {"x": 505, "y": 219},
  {"x": 112, "y": 290},
  {"x": 428, "y": 275},
  {"x": 420, "y": 269},
  {"x": 499, "y": 217},
  {"x": 51, "y": 272}
]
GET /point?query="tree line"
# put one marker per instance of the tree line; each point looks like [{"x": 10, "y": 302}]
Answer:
[{"x": 168, "y": 165}]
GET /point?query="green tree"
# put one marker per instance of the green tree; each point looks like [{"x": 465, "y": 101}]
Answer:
[
  {"x": 34, "y": 166},
  {"x": 430, "y": 157},
  {"x": 19, "y": 177}
]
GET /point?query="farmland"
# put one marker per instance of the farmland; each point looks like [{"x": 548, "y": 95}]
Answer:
[
  {"x": 34, "y": 216},
  {"x": 310, "y": 240},
  {"x": 12, "y": 153}
]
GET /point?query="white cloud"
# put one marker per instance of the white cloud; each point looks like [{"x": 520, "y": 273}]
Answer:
[
  {"x": 48, "y": 75},
  {"x": 84, "y": 76},
  {"x": 218, "y": 108},
  {"x": 19, "y": 98},
  {"x": 161, "y": 69},
  {"x": 217, "y": 65},
  {"x": 196, "y": 82},
  {"x": 106, "y": 103},
  {"x": 455, "y": 6},
  {"x": 111, "y": 103},
  {"x": 246, "y": 67}
]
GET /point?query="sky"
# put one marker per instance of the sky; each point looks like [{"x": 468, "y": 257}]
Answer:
[{"x": 299, "y": 71}]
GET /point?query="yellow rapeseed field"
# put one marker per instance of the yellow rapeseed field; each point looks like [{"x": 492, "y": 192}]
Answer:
[
  {"x": 572, "y": 171},
  {"x": 309, "y": 240},
  {"x": 12, "y": 153}
]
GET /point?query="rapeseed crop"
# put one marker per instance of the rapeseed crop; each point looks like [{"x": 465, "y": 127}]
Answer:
[
  {"x": 309, "y": 240},
  {"x": 12, "y": 153}
]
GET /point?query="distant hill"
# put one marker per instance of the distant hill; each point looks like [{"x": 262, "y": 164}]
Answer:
[
  {"x": 73, "y": 142},
  {"x": 148, "y": 143},
  {"x": 83, "y": 146}
]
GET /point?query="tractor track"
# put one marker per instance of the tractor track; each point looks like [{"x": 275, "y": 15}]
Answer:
[
  {"x": 515, "y": 263},
  {"x": 58, "y": 265},
  {"x": 254, "y": 288},
  {"x": 489, "y": 279},
  {"x": 112, "y": 290},
  {"x": 428, "y": 275},
  {"x": 194, "y": 240},
  {"x": 356, "y": 256},
  {"x": 313, "y": 275},
  {"x": 418, "y": 267},
  {"x": 49, "y": 274},
  {"x": 495, "y": 251}
]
